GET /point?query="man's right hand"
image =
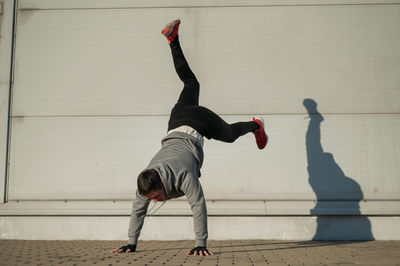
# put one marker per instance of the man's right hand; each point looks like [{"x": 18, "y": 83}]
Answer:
[{"x": 126, "y": 249}]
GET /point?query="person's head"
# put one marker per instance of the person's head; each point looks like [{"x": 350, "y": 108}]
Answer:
[
  {"x": 310, "y": 105},
  {"x": 149, "y": 185}
]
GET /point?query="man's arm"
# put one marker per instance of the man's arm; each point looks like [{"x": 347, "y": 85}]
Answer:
[
  {"x": 139, "y": 209},
  {"x": 194, "y": 194}
]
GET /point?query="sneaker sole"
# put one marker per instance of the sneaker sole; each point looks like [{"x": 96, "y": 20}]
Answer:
[
  {"x": 262, "y": 122},
  {"x": 171, "y": 26}
]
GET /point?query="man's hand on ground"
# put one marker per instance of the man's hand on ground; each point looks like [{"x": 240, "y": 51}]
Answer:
[
  {"x": 126, "y": 249},
  {"x": 201, "y": 251}
]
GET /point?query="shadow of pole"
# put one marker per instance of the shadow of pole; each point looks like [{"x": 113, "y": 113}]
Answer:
[{"x": 334, "y": 191}]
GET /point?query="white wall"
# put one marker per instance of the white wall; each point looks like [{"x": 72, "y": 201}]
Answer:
[
  {"x": 94, "y": 84},
  {"x": 176, "y": 228}
]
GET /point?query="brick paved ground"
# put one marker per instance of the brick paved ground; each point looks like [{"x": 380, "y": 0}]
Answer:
[{"x": 249, "y": 252}]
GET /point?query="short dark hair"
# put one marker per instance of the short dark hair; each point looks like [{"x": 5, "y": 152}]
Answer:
[{"x": 147, "y": 181}]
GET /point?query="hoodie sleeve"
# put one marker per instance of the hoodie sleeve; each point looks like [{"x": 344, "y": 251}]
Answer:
[
  {"x": 139, "y": 209},
  {"x": 194, "y": 194}
]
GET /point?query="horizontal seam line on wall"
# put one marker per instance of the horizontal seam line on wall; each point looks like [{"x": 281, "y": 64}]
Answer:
[
  {"x": 221, "y": 114},
  {"x": 209, "y": 215},
  {"x": 211, "y": 6},
  {"x": 207, "y": 200}
]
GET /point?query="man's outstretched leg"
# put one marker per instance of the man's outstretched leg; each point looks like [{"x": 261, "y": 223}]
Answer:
[
  {"x": 190, "y": 92},
  {"x": 188, "y": 112}
]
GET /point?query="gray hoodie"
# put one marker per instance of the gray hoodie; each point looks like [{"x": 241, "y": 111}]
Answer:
[{"x": 178, "y": 163}]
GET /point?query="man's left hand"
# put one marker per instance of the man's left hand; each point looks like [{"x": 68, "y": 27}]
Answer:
[
  {"x": 125, "y": 249},
  {"x": 201, "y": 251}
]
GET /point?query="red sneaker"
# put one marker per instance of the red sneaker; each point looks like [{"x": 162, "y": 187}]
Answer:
[
  {"x": 171, "y": 30},
  {"x": 261, "y": 136}
]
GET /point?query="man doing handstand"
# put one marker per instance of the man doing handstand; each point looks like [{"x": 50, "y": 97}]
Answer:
[{"x": 175, "y": 170}]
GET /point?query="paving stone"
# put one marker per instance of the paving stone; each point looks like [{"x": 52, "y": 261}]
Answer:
[{"x": 227, "y": 253}]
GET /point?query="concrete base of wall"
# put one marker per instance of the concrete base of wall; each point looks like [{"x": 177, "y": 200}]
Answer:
[{"x": 176, "y": 228}]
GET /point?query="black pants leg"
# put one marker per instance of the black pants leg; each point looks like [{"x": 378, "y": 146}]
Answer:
[
  {"x": 190, "y": 92},
  {"x": 188, "y": 112}
]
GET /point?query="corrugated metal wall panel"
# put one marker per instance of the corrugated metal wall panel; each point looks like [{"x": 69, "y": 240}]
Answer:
[
  {"x": 6, "y": 53},
  {"x": 94, "y": 86},
  {"x": 248, "y": 60},
  {"x": 100, "y": 157}
]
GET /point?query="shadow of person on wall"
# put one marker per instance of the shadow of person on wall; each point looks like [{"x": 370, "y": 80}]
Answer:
[{"x": 337, "y": 195}]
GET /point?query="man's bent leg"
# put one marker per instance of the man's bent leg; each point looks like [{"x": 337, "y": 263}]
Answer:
[
  {"x": 225, "y": 132},
  {"x": 212, "y": 126}
]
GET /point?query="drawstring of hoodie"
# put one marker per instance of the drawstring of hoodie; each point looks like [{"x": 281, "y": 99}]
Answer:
[{"x": 151, "y": 214}]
